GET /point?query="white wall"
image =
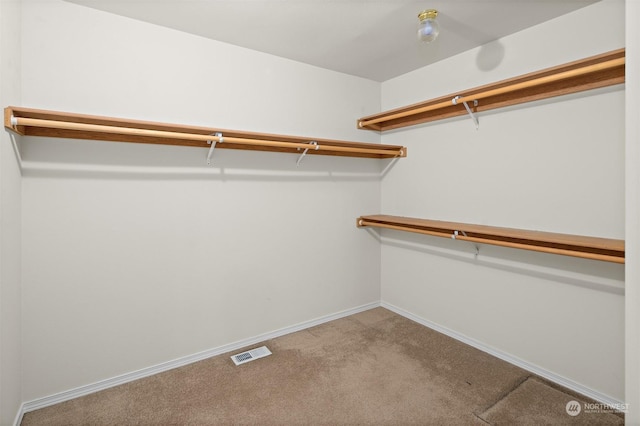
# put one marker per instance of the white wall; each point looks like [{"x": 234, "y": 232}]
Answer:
[
  {"x": 632, "y": 271},
  {"x": 10, "y": 219},
  {"x": 555, "y": 165},
  {"x": 137, "y": 254},
  {"x": 115, "y": 279}
]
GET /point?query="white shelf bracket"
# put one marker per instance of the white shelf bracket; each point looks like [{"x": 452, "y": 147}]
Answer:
[
  {"x": 213, "y": 145},
  {"x": 477, "y": 247},
  {"x": 311, "y": 143},
  {"x": 474, "y": 244},
  {"x": 471, "y": 114}
]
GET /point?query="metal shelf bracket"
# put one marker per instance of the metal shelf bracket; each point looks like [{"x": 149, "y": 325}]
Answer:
[
  {"x": 471, "y": 114},
  {"x": 311, "y": 143},
  {"x": 477, "y": 247},
  {"x": 213, "y": 145}
]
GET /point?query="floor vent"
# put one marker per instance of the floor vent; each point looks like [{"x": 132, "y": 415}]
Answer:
[{"x": 251, "y": 355}]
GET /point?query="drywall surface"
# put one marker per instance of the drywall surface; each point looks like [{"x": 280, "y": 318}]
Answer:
[
  {"x": 139, "y": 254},
  {"x": 555, "y": 165},
  {"x": 10, "y": 219},
  {"x": 632, "y": 271}
]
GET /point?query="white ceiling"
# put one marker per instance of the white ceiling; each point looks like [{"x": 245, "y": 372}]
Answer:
[{"x": 375, "y": 39}]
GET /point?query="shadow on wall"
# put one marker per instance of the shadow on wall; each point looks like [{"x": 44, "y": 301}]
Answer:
[
  {"x": 491, "y": 53},
  {"x": 596, "y": 275},
  {"x": 531, "y": 105},
  {"x": 64, "y": 158},
  {"x": 490, "y": 56}
]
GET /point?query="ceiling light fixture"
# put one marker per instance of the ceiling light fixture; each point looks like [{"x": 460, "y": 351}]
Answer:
[{"x": 428, "y": 29}]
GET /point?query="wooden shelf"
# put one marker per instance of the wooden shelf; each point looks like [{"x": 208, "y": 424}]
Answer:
[
  {"x": 34, "y": 122},
  {"x": 604, "y": 249},
  {"x": 590, "y": 73}
]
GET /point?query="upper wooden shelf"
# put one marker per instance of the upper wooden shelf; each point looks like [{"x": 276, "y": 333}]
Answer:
[
  {"x": 34, "y": 122},
  {"x": 605, "y": 249},
  {"x": 590, "y": 73}
]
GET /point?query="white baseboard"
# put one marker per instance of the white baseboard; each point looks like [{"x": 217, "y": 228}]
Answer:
[
  {"x": 563, "y": 381},
  {"x": 169, "y": 365},
  {"x": 19, "y": 415}
]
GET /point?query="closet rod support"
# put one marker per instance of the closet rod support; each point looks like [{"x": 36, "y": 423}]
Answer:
[
  {"x": 314, "y": 143},
  {"x": 475, "y": 245},
  {"x": 455, "y": 236},
  {"x": 213, "y": 145},
  {"x": 471, "y": 114}
]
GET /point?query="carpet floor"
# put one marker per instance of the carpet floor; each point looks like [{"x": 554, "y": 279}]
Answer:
[{"x": 372, "y": 368}]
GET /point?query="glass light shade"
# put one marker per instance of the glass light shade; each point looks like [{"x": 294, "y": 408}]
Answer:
[{"x": 428, "y": 29}]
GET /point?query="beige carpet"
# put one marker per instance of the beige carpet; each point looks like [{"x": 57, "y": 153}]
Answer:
[{"x": 371, "y": 368}]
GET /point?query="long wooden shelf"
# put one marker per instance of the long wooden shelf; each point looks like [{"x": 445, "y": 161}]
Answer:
[
  {"x": 602, "y": 70},
  {"x": 609, "y": 250},
  {"x": 34, "y": 122}
]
